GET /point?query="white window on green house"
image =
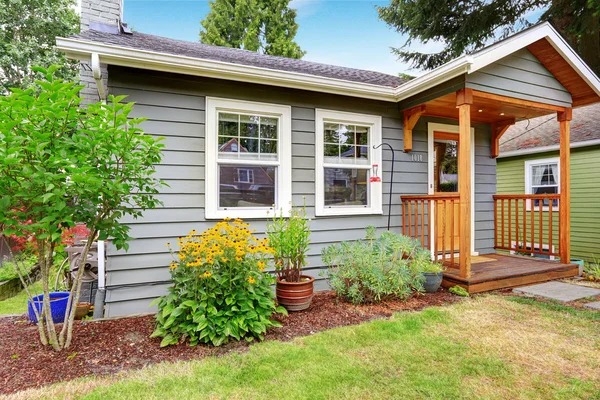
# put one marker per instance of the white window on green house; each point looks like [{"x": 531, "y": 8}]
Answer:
[
  {"x": 346, "y": 163},
  {"x": 248, "y": 158},
  {"x": 542, "y": 177}
]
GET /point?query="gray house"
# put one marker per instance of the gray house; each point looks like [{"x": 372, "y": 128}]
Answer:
[{"x": 311, "y": 129}]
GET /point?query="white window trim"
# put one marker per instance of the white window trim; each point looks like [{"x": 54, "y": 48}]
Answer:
[
  {"x": 529, "y": 189},
  {"x": 432, "y": 127},
  {"x": 283, "y": 195},
  {"x": 375, "y": 188}
]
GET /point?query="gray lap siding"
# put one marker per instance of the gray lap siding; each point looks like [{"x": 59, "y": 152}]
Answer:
[{"x": 174, "y": 106}]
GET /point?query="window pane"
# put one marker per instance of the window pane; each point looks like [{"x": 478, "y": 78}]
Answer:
[
  {"x": 332, "y": 150},
  {"x": 330, "y": 133},
  {"x": 346, "y": 187},
  {"x": 363, "y": 152},
  {"x": 346, "y": 134},
  {"x": 362, "y": 135},
  {"x": 249, "y": 125},
  {"x": 268, "y": 146},
  {"x": 249, "y": 145},
  {"x": 228, "y": 124},
  {"x": 268, "y": 128},
  {"x": 246, "y": 186}
]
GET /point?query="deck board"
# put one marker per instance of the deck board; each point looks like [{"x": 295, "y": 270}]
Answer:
[{"x": 497, "y": 271}]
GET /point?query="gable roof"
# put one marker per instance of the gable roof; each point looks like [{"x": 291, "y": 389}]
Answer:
[
  {"x": 142, "y": 41},
  {"x": 144, "y": 51},
  {"x": 542, "y": 134}
]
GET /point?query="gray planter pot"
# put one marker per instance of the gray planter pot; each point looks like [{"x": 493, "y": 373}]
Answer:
[
  {"x": 580, "y": 263},
  {"x": 433, "y": 280}
]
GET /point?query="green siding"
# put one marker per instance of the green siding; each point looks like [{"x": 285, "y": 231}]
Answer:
[{"x": 585, "y": 195}]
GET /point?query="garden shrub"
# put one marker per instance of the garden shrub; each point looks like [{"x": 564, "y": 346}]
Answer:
[
  {"x": 220, "y": 288},
  {"x": 8, "y": 269},
  {"x": 377, "y": 268},
  {"x": 459, "y": 291}
]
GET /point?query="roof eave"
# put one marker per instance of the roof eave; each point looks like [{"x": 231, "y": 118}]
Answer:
[
  {"x": 545, "y": 149},
  {"x": 128, "y": 57}
]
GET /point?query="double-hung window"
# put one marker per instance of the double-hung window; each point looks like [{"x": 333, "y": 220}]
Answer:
[
  {"x": 542, "y": 177},
  {"x": 348, "y": 168},
  {"x": 248, "y": 158}
]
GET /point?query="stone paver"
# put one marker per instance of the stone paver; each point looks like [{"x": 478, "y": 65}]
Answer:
[
  {"x": 594, "y": 306},
  {"x": 558, "y": 291}
]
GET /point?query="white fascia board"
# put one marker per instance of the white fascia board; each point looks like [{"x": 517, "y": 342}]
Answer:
[
  {"x": 127, "y": 57},
  {"x": 554, "y": 147},
  {"x": 519, "y": 41}
]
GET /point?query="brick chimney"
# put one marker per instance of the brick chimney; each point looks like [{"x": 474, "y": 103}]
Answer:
[{"x": 108, "y": 12}]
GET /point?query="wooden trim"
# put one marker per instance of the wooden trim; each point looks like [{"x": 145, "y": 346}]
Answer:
[
  {"x": 445, "y": 135},
  {"x": 564, "y": 210},
  {"x": 439, "y": 196},
  {"x": 464, "y": 183},
  {"x": 526, "y": 196},
  {"x": 499, "y": 129},
  {"x": 464, "y": 96},
  {"x": 566, "y": 115},
  {"x": 411, "y": 117},
  {"x": 519, "y": 102}
]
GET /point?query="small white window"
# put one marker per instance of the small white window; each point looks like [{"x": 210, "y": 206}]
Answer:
[
  {"x": 348, "y": 170},
  {"x": 248, "y": 158},
  {"x": 542, "y": 177}
]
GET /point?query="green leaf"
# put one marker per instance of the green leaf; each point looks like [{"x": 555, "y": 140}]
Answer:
[{"x": 167, "y": 340}]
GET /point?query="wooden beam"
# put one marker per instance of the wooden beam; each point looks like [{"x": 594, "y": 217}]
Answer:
[
  {"x": 464, "y": 99},
  {"x": 499, "y": 129},
  {"x": 519, "y": 102},
  {"x": 564, "y": 210},
  {"x": 411, "y": 117}
]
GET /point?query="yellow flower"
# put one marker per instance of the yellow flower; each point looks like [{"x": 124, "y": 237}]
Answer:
[
  {"x": 224, "y": 259},
  {"x": 238, "y": 258},
  {"x": 207, "y": 274},
  {"x": 173, "y": 265},
  {"x": 251, "y": 280},
  {"x": 261, "y": 265}
]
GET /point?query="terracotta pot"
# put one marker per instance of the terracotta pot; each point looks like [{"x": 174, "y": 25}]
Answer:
[
  {"x": 82, "y": 310},
  {"x": 295, "y": 296}
]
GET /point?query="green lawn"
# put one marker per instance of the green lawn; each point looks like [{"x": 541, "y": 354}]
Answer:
[{"x": 488, "y": 347}]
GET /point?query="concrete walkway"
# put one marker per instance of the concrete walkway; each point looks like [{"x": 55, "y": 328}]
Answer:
[{"x": 560, "y": 291}]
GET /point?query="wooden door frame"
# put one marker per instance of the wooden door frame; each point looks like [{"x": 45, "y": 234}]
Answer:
[{"x": 454, "y": 129}]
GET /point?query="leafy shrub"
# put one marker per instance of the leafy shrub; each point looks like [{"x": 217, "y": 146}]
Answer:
[
  {"x": 592, "y": 269},
  {"x": 371, "y": 270},
  {"x": 220, "y": 288},
  {"x": 459, "y": 291},
  {"x": 290, "y": 237}
]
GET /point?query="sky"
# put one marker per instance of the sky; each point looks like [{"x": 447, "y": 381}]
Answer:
[{"x": 337, "y": 32}]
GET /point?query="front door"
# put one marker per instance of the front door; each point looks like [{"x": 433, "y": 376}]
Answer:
[{"x": 445, "y": 181}]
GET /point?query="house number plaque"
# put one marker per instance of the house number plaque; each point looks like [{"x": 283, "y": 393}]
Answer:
[{"x": 416, "y": 157}]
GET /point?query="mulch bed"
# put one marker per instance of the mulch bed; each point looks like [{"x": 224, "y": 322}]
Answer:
[{"x": 110, "y": 346}]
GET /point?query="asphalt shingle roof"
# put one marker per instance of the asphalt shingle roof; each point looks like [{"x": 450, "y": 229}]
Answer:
[
  {"x": 544, "y": 131},
  {"x": 142, "y": 41}
]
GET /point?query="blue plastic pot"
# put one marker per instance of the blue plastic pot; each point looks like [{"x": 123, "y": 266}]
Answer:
[{"x": 58, "y": 306}]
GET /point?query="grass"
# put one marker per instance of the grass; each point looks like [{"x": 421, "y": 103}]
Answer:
[
  {"x": 8, "y": 269},
  {"x": 488, "y": 347}
]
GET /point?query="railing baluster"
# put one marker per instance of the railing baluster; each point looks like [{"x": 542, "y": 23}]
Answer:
[
  {"x": 550, "y": 226},
  {"x": 452, "y": 231},
  {"x": 502, "y": 206},
  {"x": 509, "y": 222},
  {"x": 532, "y": 212},
  {"x": 429, "y": 214},
  {"x": 516, "y": 223},
  {"x": 524, "y": 223},
  {"x": 403, "y": 217},
  {"x": 541, "y": 226},
  {"x": 422, "y": 223},
  {"x": 496, "y": 223}
]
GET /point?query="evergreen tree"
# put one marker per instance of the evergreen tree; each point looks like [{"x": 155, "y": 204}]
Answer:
[
  {"x": 466, "y": 26},
  {"x": 28, "y": 29},
  {"x": 265, "y": 26}
]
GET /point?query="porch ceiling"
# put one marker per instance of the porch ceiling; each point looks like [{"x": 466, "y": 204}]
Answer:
[{"x": 489, "y": 108}]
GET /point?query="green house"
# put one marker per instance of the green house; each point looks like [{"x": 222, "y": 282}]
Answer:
[{"x": 529, "y": 163}]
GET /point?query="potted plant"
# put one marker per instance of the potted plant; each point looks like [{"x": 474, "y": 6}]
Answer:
[
  {"x": 432, "y": 271},
  {"x": 290, "y": 237}
]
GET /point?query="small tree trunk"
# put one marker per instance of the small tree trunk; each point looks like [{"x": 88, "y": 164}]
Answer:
[
  {"x": 67, "y": 329},
  {"x": 45, "y": 269},
  {"x": 38, "y": 316}
]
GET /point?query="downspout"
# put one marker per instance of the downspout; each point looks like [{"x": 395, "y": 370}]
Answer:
[
  {"x": 101, "y": 291},
  {"x": 97, "y": 73}
]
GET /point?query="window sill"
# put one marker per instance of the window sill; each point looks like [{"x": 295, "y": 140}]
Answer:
[
  {"x": 245, "y": 213},
  {"x": 350, "y": 211}
]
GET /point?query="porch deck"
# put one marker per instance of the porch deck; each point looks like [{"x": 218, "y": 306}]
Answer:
[{"x": 499, "y": 271}]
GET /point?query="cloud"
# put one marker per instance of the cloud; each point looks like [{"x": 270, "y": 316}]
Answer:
[{"x": 305, "y": 8}]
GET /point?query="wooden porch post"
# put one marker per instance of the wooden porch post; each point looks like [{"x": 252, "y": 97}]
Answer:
[
  {"x": 464, "y": 99},
  {"x": 564, "y": 212}
]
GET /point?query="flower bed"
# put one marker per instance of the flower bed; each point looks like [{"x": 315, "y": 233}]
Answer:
[{"x": 110, "y": 346}]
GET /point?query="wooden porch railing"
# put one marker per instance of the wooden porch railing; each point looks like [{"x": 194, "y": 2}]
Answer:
[
  {"x": 527, "y": 223},
  {"x": 417, "y": 223}
]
